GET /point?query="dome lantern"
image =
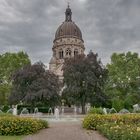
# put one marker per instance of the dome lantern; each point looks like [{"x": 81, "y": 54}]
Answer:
[
  {"x": 68, "y": 29},
  {"x": 68, "y": 14}
]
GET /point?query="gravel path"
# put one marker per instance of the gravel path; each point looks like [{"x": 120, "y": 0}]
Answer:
[{"x": 66, "y": 131}]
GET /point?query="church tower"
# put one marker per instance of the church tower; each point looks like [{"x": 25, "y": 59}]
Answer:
[{"x": 68, "y": 42}]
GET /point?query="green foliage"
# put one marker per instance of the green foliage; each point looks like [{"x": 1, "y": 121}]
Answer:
[
  {"x": 11, "y": 137},
  {"x": 33, "y": 84},
  {"x": 20, "y": 126},
  {"x": 115, "y": 127},
  {"x": 5, "y": 108},
  {"x": 120, "y": 131},
  {"x": 94, "y": 110},
  {"x": 5, "y": 89},
  {"x": 5, "y": 115},
  {"x": 118, "y": 104},
  {"x": 84, "y": 77},
  {"x": 91, "y": 121},
  {"x": 9, "y": 63},
  {"x": 124, "y": 79}
]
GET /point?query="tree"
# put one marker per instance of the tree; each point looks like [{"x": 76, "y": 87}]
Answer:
[
  {"x": 34, "y": 84},
  {"x": 10, "y": 62},
  {"x": 124, "y": 79},
  {"x": 84, "y": 78}
]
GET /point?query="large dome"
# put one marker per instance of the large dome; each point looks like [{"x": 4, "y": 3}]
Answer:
[{"x": 68, "y": 28}]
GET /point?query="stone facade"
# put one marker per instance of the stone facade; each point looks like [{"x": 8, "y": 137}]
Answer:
[{"x": 68, "y": 42}]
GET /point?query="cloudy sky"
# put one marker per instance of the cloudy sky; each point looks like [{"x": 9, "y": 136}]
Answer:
[{"x": 107, "y": 26}]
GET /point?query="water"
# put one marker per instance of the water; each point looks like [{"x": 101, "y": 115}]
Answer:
[
  {"x": 24, "y": 112},
  {"x": 50, "y": 112},
  {"x": 105, "y": 110},
  {"x": 124, "y": 111},
  {"x": 1, "y": 112},
  {"x": 36, "y": 110},
  {"x": 10, "y": 111},
  {"x": 136, "y": 108},
  {"x": 112, "y": 110},
  {"x": 57, "y": 113}
]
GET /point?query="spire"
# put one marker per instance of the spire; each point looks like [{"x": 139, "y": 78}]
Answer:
[{"x": 68, "y": 14}]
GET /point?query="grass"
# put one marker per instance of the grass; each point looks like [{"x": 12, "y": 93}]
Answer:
[{"x": 11, "y": 137}]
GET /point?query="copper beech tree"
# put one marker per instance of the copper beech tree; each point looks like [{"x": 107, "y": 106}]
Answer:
[
  {"x": 84, "y": 79},
  {"x": 33, "y": 84}
]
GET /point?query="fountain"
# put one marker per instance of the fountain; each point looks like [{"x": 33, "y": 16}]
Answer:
[
  {"x": 75, "y": 112},
  {"x": 10, "y": 111},
  {"x": 62, "y": 111},
  {"x": 24, "y": 112},
  {"x": 35, "y": 110},
  {"x": 105, "y": 110},
  {"x": 15, "y": 110},
  {"x": 56, "y": 113},
  {"x": 50, "y": 112},
  {"x": 88, "y": 106},
  {"x": 136, "y": 108},
  {"x": 1, "y": 112},
  {"x": 112, "y": 110},
  {"x": 124, "y": 111}
]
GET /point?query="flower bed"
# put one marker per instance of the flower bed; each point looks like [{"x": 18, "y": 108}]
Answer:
[
  {"x": 115, "y": 127},
  {"x": 10, "y": 125}
]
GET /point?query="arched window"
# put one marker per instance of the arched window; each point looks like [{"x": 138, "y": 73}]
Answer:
[
  {"x": 68, "y": 52},
  {"x": 75, "y": 52},
  {"x": 61, "y": 54}
]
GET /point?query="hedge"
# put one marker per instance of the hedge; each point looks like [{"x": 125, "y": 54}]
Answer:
[
  {"x": 116, "y": 126},
  {"x": 10, "y": 125}
]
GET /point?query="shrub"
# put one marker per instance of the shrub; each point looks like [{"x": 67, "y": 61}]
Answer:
[
  {"x": 91, "y": 121},
  {"x": 5, "y": 108},
  {"x": 118, "y": 104},
  {"x": 5, "y": 114},
  {"x": 10, "y": 125},
  {"x": 116, "y": 126},
  {"x": 94, "y": 110}
]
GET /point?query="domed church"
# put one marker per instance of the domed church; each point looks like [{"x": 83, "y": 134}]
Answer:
[{"x": 68, "y": 42}]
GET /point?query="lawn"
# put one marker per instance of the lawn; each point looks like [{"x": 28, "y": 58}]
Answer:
[{"x": 11, "y": 137}]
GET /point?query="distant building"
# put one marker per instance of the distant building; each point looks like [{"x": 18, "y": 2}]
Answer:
[{"x": 68, "y": 42}]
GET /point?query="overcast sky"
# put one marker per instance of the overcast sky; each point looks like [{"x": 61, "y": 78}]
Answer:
[{"x": 107, "y": 26}]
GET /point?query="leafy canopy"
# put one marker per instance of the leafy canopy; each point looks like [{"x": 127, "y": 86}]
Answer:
[
  {"x": 9, "y": 63},
  {"x": 34, "y": 84},
  {"x": 124, "y": 78},
  {"x": 84, "y": 77}
]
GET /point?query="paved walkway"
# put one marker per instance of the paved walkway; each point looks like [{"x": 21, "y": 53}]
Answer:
[{"x": 66, "y": 131}]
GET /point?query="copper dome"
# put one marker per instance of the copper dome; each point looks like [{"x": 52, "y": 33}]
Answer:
[{"x": 68, "y": 28}]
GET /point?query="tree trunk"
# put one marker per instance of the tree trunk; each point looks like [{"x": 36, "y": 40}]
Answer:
[
  {"x": 83, "y": 102},
  {"x": 83, "y": 109}
]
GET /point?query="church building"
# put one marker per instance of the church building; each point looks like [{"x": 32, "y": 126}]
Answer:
[{"x": 68, "y": 42}]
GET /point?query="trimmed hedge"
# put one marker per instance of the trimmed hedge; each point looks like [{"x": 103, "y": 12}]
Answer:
[{"x": 10, "y": 125}]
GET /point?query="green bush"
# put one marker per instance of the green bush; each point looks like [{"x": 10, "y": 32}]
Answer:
[
  {"x": 91, "y": 121},
  {"x": 5, "y": 114},
  {"x": 11, "y": 125},
  {"x": 94, "y": 110},
  {"x": 116, "y": 126},
  {"x": 118, "y": 104},
  {"x": 5, "y": 108}
]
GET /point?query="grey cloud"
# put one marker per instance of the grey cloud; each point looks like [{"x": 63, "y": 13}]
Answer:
[{"x": 107, "y": 25}]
